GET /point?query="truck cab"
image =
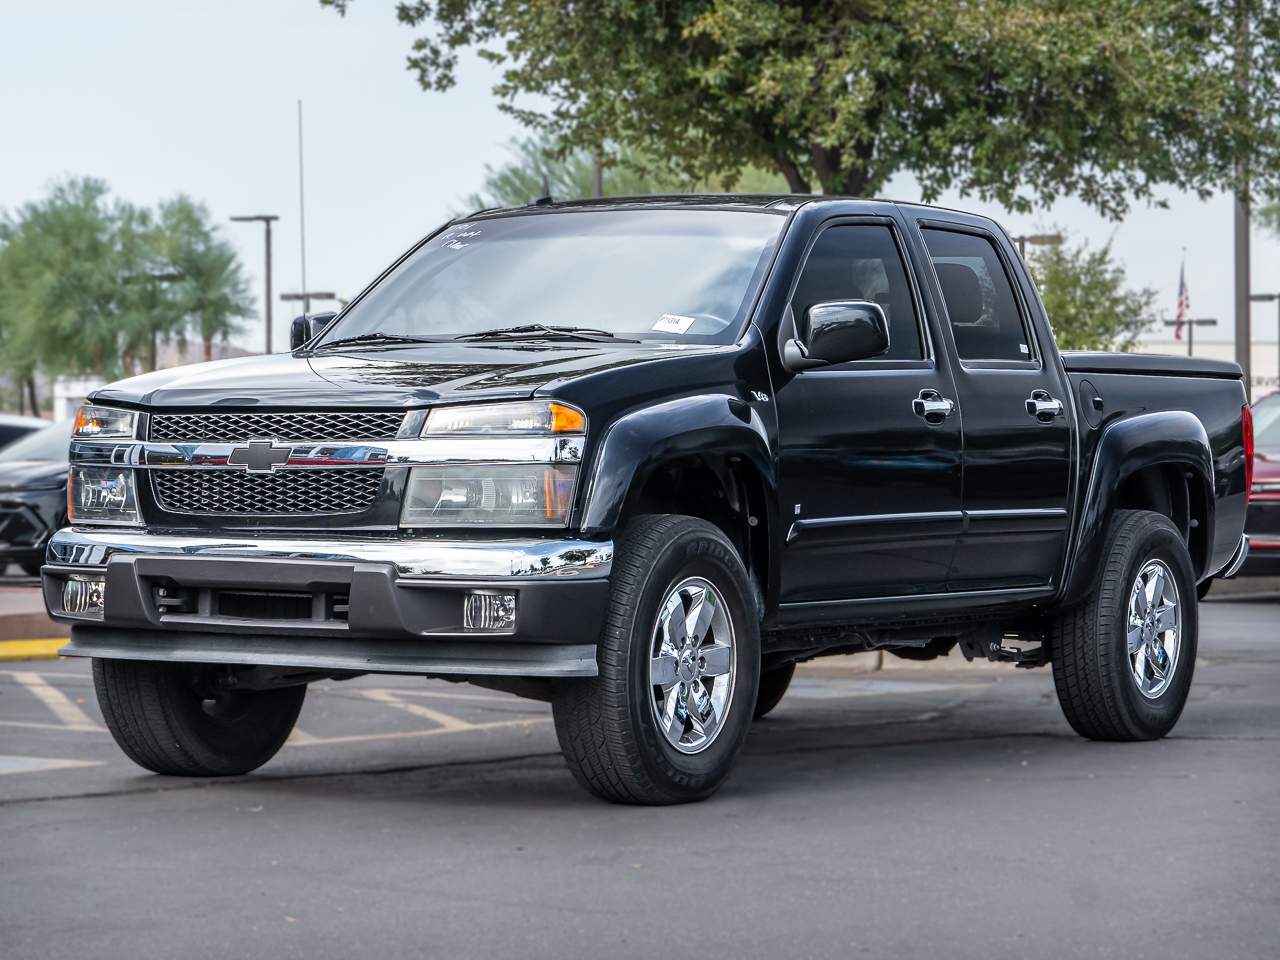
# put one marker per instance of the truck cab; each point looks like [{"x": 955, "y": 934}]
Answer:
[{"x": 640, "y": 457}]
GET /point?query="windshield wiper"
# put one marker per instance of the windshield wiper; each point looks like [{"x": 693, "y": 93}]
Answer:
[
  {"x": 531, "y": 331},
  {"x": 375, "y": 338}
]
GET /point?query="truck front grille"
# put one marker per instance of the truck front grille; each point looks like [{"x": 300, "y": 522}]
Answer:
[
  {"x": 284, "y": 492},
  {"x": 317, "y": 426}
]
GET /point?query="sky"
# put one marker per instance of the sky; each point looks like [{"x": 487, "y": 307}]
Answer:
[{"x": 201, "y": 98}]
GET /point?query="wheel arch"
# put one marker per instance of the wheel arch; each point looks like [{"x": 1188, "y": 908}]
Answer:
[
  {"x": 1158, "y": 461},
  {"x": 705, "y": 456}
]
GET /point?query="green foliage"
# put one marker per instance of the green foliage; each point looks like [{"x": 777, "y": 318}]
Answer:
[
  {"x": 90, "y": 285},
  {"x": 1017, "y": 101},
  {"x": 1085, "y": 295},
  {"x": 209, "y": 285},
  {"x": 538, "y": 163}
]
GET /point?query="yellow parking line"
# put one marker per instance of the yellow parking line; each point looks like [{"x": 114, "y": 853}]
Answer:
[
  {"x": 445, "y": 720},
  {"x": 31, "y": 649},
  {"x": 72, "y": 717},
  {"x": 406, "y": 734}
]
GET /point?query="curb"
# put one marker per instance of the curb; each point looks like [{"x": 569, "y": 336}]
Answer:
[{"x": 46, "y": 649}]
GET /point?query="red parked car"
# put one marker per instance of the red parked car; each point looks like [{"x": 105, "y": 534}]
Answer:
[{"x": 1263, "y": 524}]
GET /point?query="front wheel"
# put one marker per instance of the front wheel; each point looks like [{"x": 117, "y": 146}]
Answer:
[
  {"x": 679, "y": 662},
  {"x": 184, "y": 720},
  {"x": 1123, "y": 660}
]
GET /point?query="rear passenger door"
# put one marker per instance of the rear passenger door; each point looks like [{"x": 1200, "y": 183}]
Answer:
[{"x": 1018, "y": 424}]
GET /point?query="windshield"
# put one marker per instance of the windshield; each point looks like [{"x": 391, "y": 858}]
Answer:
[
  {"x": 685, "y": 276},
  {"x": 1266, "y": 424},
  {"x": 50, "y": 443}
]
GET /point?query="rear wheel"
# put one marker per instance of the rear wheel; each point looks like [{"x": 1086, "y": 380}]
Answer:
[
  {"x": 773, "y": 687},
  {"x": 679, "y": 661},
  {"x": 186, "y": 721},
  {"x": 1123, "y": 660}
]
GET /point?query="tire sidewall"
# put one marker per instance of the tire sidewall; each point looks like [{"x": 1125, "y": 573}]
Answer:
[
  {"x": 1155, "y": 717},
  {"x": 697, "y": 551}
]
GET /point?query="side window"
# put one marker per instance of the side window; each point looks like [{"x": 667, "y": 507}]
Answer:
[
  {"x": 985, "y": 318},
  {"x": 858, "y": 262}
]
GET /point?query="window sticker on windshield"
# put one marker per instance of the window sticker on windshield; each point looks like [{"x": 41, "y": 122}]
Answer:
[
  {"x": 673, "y": 323},
  {"x": 453, "y": 241}
]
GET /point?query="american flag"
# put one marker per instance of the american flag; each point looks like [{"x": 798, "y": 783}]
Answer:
[{"x": 1184, "y": 302}]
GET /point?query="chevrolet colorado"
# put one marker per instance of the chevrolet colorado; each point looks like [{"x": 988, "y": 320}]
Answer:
[{"x": 639, "y": 457}]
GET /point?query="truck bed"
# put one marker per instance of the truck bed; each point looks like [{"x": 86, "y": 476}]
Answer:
[{"x": 1152, "y": 364}]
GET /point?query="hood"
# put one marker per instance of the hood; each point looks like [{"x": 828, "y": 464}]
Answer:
[
  {"x": 18, "y": 475},
  {"x": 400, "y": 376}
]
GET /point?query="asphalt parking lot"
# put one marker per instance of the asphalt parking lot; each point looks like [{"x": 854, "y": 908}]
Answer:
[{"x": 905, "y": 813}]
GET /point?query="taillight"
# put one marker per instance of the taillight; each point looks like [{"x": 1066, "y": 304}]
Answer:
[{"x": 1246, "y": 417}]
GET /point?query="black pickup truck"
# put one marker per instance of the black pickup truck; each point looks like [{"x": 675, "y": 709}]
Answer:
[{"x": 639, "y": 457}]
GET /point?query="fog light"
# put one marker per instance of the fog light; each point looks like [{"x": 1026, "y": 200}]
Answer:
[
  {"x": 84, "y": 596},
  {"x": 489, "y": 612}
]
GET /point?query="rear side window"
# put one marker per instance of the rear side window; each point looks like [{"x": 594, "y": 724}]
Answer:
[
  {"x": 985, "y": 319},
  {"x": 861, "y": 262}
]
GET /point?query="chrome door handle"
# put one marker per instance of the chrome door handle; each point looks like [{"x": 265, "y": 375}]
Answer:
[
  {"x": 1043, "y": 407},
  {"x": 933, "y": 406}
]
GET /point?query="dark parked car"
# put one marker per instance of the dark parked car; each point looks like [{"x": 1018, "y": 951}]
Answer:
[
  {"x": 639, "y": 457},
  {"x": 33, "y": 494},
  {"x": 13, "y": 427},
  {"x": 1263, "y": 523}
]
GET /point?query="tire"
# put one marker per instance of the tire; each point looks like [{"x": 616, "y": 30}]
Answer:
[
  {"x": 608, "y": 726},
  {"x": 1203, "y": 589},
  {"x": 163, "y": 718},
  {"x": 773, "y": 687},
  {"x": 1093, "y": 670}
]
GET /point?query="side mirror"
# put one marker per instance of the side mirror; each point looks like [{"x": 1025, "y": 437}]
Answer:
[
  {"x": 307, "y": 327},
  {"x": 839, "y": 331}
]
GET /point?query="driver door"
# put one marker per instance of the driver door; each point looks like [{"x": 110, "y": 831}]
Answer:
[{"x": 870, "y": 477}]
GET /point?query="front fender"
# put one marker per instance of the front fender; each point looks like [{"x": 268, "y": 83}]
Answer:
[
  {"x": 1127, "y": 446},
  {"x": 638, "y": 442}
]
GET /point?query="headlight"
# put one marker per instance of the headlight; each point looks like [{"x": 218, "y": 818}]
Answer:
[
  {"x": 103, "y": 423},
  {"x": 503, "y": 495},
  {"x": 528, "y": 418},
  {"x": 102, "y": 495}
]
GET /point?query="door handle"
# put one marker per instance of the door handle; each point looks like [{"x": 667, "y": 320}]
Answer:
[
  {"x": 1043, "y": 407},
  {"x": 933, "y": 406}
]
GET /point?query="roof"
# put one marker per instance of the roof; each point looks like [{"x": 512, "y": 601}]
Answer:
[{"x": 720, "y": 201}]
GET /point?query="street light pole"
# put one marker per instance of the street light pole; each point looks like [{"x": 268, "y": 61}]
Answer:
[
  {"x": 266, "y": 219},
  {"x": 1037, "y": 240}
]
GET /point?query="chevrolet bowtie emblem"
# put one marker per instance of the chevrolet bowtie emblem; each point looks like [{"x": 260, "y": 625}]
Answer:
[{"x": 260, "y": 456}]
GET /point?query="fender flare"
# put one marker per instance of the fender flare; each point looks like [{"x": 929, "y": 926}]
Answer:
[
  {"x": 1173, "y": 437},
  {"x": 638, "y": 442}
]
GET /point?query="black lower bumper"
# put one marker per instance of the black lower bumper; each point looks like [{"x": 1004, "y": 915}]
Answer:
[{"x": 330, "y": 612}]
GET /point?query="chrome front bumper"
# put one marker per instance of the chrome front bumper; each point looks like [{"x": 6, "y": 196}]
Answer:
[
  {"x": 465, "y": 559},
  {"x": 401, "y": 602}
]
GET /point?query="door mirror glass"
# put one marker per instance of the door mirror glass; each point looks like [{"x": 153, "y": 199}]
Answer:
[
  {"x": 307, "y": 328},
  {"x": 839, "y": 331}
]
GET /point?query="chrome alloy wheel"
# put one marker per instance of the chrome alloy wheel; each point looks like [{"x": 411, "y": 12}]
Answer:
[
  {"x": 1154, "y": 628},
  {"x": 692, "y": 665}
]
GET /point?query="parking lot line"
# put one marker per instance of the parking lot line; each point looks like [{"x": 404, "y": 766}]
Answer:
[
  {"x": 10, "y": 764},
  {"x": 410, "y": 734},
  {"x": 72, "y": 717},
  {"x": 31, "y": 649},
  {"x": 447, "y": 721}
]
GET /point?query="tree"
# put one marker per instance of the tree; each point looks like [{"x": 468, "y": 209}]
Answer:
[
  {"x": 89, "y": 284},
  {"x": 539, "y": 164},
  {"x": 208, "y": 284},
  {"x": 1086, "y": 298},
  {"x": 70, "y": 302},
  {"x": 1017, "y": 101}
]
